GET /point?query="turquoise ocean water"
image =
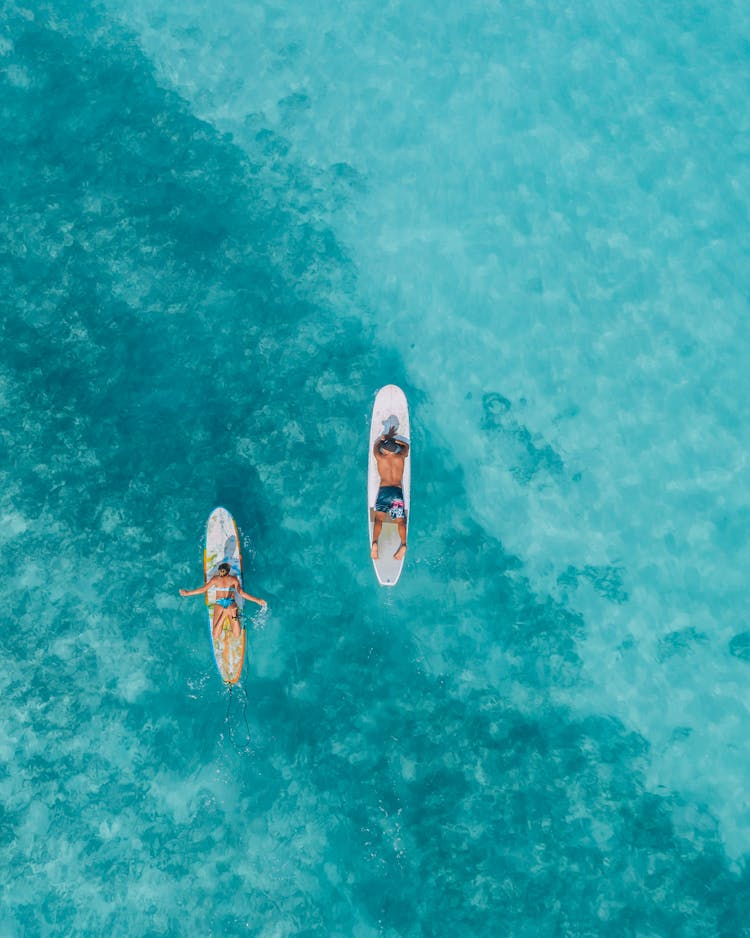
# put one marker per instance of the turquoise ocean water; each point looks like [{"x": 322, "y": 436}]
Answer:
[{"x": 224, "y": 227}]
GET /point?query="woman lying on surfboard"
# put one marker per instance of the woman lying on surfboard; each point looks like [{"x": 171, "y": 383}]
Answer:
[
  {"x": 225, "y": 608},
  {"x": 390, "y": 454}
]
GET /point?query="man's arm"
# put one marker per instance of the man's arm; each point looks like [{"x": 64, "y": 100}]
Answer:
[{"x": 390, "y": 435}]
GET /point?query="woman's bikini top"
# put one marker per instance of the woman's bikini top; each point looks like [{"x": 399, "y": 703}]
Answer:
[{"x": 229, "y": 590}]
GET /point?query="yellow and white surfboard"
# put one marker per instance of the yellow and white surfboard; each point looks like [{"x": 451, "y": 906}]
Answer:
[{"x": 223, "y": 546}]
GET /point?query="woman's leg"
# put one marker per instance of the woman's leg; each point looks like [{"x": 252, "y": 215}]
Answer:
[
  {"x": 234, "y": 617},
  {"x": 220, "y": 616}
]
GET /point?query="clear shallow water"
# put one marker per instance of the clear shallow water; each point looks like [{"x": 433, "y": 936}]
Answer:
[{"x": 534, "y": 223}]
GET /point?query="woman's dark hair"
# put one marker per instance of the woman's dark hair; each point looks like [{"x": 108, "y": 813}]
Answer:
[{"x": 224, "y": 569}]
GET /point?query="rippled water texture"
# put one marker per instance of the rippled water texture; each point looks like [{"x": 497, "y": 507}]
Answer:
[{"x": 222, "y": 230}]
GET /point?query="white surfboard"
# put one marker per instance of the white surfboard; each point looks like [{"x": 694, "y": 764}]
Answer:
[
  {"x": 390, "y": 408},
  {"x": 223, "y": 546}
]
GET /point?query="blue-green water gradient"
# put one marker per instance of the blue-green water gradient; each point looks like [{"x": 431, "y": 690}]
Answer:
[{"x": 222, "y": 230}]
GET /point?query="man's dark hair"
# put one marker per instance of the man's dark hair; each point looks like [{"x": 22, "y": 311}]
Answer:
[{"x": 390, "y": 445}]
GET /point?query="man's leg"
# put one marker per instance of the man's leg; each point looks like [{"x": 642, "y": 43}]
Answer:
[
  {"x": 376, "y": 529},
  {"x": 402, "y": 534}
]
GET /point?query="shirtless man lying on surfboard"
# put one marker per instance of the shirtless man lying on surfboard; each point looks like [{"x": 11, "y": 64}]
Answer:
[
  {"x": 225, "y": 609},
  {"x": 390, "y": 455}
]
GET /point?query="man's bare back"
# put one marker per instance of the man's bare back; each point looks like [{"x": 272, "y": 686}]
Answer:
[
  {"x": 391, "y": 466},
  {"x": 391, "y": 471}
]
